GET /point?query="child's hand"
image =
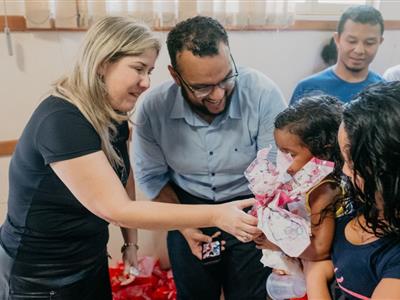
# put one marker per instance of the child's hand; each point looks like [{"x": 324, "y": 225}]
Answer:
[
  {"x": 263, "y": 243},
  {"x": 279, "y": 272}
]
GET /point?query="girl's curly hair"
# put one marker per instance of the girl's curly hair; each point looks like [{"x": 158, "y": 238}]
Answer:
[{"x": 372, "y": 124}]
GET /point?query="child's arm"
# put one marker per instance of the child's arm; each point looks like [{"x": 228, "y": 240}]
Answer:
[
  {"x": 322, "y": 229},
  {"x": 263, "y": 243},
  {"x": 318, "y": 274}
]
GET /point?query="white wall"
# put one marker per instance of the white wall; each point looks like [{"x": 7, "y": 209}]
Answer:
[{"x": 41, "y": 57}]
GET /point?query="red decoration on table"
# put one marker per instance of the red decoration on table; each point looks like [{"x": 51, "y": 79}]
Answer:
[
  {"x": 153, "y": 283},
  {"x": 302, "y": 298}
]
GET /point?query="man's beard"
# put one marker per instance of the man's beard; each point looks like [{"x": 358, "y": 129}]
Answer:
[
  {"x": 201, "y": 109},
  {"x": 353, "y": 70}
]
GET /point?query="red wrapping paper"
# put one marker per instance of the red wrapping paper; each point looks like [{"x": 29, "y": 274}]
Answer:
[{"x": 153, "y": 283}]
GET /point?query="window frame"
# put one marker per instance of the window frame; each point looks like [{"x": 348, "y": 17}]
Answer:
[{"x": 312, "y": 9}]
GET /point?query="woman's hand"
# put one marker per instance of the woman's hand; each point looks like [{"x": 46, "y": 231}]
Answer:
[
  {"x": 130, "y": 259},
  {"x": 231, "y": 218}
]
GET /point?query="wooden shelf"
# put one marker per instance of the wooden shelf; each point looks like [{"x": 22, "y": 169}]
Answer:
[
  {"x": 15, "y": 23},
  {"x": 7, "y": 147}
]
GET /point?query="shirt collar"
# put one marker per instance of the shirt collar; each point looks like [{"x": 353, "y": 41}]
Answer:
[
  {"x": 182, "y": 110},
  {"x": 235, "y": 111}
]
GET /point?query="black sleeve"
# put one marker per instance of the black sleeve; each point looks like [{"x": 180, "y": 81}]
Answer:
[{"x": 64, "y": 135}]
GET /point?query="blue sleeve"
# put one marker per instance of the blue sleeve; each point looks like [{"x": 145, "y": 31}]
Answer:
[
  {"x": 149, "y": 165},
  {"x": 297, "y": 94},
  {"x": 390, "y": 264},
  {"x": 271, "y": 104}
]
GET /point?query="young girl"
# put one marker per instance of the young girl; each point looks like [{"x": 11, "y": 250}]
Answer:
[
  {"x": 366, "y": 249},
  {"x": 305, "y": 130}
]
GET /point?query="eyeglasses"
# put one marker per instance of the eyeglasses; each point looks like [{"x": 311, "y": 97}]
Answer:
[{"x": 205, "y": 90}]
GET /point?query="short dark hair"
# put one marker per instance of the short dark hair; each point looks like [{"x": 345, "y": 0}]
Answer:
[
  {"x": 200, "y": 35},
  {"x": 329, "y": 53},
  {"x": 371, "y": 121},
  {"x": 315, "y": 120},
  {"x": 364, "y": 14}
]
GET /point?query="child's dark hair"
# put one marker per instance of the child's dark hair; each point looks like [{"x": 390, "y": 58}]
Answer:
[
  {"x": 329, "y": 53},
  {"x": 371, "y": 122},
  {"x": 315, "y": 120}
]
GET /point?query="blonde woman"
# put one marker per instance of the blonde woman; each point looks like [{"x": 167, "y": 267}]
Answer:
[{"x": 70, "y": 176}]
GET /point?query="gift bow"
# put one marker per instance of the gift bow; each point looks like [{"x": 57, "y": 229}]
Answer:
[{"x": 274, "y": 188}]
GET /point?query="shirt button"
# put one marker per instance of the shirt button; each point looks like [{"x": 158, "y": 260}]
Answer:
[
  {"x": 213, "y": 188},
  {"x": 212, "y": 174},
  {"x": 211, "y": 153}
]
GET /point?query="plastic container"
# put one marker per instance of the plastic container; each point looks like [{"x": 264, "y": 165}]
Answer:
[{"x": 280, "y": 287}]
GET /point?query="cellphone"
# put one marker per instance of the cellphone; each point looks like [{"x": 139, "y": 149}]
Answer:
[{"x": 211, "y": 252}]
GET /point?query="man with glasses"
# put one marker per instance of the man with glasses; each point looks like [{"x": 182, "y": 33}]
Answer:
[{"x": 193, "y": 139}]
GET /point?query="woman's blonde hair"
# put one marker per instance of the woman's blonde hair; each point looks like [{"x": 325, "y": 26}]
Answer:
[{"x": 107, "y": 41}]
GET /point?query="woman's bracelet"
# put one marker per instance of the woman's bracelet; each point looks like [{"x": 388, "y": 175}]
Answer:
[{"x": 126, "y": 245}]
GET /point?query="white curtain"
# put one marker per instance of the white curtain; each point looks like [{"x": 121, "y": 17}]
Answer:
[
  {"x": 38, "y": 14},
  {"x": 239, "y": 14}
]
